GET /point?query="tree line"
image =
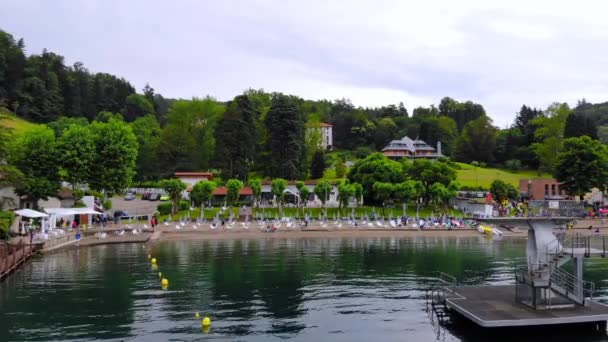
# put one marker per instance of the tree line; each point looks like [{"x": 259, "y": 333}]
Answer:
[{"x": 272, "y": 134}]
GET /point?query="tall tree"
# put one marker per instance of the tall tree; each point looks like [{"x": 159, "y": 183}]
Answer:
[
  {"x": 233, "y": 187},
  {"x": 477, "y": 141},
  {"x": 202, "y": 192},
  {"x": 174, "y": 188},
  {"x": 431, "y": 172},
  {"x": 187, "y": 142},
  {"x": 278, "y": 187},
  {"x": 582, "y": 165},
  {"x": 578, "y": 125},
  {"x": 550, "y": 134},
  {"x": 375, "y": 168},
  {"x": 285, "y": 143},
  {"x": 76, "y": 148},
  {"x": 317, "y": 167},
  {"x": 136, "y": 106},
  {"x": 35, "y": 155},
  {"x": 116, "y": 152},
  {"x": 236, "y": 138},
  {"x": 303, "y": 192},
  {"x": 147, "y": 130},
  {"x": 323, "y": 190},
  {"x": 256, "y": 188}
]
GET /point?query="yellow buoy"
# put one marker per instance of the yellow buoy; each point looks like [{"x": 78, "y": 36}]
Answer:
[
  {"x": 165, "y": 282},
  {"x": 206, "y": 329},
  {"x": 206, "y": 322},
  {"x": 197, "y": 315},
  {"x": 154, "y": 260}
]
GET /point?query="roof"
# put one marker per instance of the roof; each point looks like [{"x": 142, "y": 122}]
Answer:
[
  {"x": 71, "y": 211},
  {"x": 323, "y": 124},
  {"x": 30, "y": 213},
  {"x": 223, "y": 191},
  {"x": 407, "y": 144},
  {"x": 207, "y": 175}
]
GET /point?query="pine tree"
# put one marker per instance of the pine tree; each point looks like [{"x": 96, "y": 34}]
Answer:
[
  {"x": 317, "y": 166},
  {"x": 285, "y": 144},
  {"x": 236, "y": 138}
]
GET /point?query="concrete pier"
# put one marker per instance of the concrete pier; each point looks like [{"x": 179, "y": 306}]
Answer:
[{"x": 494, "y": 307}]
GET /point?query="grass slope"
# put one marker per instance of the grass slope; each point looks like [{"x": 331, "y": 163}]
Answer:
[
  {"x": 18, "y": 125},
  {"x": 471, "y": 176}
]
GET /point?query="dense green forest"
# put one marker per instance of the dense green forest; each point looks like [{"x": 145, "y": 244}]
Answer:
[{"x": 268, "y": 134}]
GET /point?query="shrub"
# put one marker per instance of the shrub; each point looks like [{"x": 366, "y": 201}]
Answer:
[
  {"x": 107, "y": 204},
  {"x": 6, "y": 220},
  {"x": 513, "y": 164},
  {"x": 164, "y": 208},
  {"x": 183, "y": 205}
]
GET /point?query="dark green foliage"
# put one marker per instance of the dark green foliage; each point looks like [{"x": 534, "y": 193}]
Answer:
[
  {"x": 429, "y": 173},
  {"x": 184, "y": 205},
  {"x": 477, "y": 141},
  {"x": 165, "y": 208},
  {"x": 578, "y": 125},
  {"x": 35, "y": 155},
  {"x": 375, "y": 168},
  {"x": 6, "y": 220},
  {"x": 173, "y": 188},
  {"x": 285, "y": 138},
  {"x": 317, "y": 167},
  {"x": 582, "y": 165},
  {"x": 61, "y": 124},
  {"x": 137, "y": 106},
  {"x": 115, "y": 155},
  {"x": 503, "y": 191},
  {"x": 236, "y": 139},
  {"x": 41, "y": 87},
  {"x": 460, "y": 112},
  {"x": 147, "y": 130}
]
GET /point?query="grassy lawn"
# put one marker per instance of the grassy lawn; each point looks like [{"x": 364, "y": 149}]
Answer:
[
  {"x": 210, "y": 213},
  {"x": 469, "y": 175},
  {"x": 17, "y": 124}
]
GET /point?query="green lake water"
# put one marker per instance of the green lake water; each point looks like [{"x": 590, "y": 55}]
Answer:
[{"x": 339, "y": 289}]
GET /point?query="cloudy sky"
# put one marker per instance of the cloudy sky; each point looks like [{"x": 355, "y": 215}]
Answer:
[{"x": 501, "y": 54}]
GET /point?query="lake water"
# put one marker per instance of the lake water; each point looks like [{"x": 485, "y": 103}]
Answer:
[{"x": 253, "y": 290}]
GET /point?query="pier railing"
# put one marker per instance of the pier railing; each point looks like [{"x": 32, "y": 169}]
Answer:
[{"x": 13, "y": 255}]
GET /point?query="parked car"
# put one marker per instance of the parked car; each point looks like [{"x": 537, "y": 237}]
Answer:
[
  {"x": 129, "y": 196},
  {"x": 120, "y": 213},
  {"x": 146, "y": 195},
  {"x": 154, "y": 197},
  {"x": 164, "y": 198}
]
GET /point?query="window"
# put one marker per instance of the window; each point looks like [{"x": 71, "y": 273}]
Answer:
[
  {"x": 553, "y": 189},
  {"x": 546, "y": 189}
]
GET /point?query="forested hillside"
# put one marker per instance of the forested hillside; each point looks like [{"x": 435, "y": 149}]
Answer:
[{"x": 269, "y": 134}]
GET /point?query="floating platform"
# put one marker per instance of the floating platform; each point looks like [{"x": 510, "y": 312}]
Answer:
[{"x": 495, "y": 307}]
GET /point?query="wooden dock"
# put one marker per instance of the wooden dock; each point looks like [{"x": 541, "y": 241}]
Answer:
[
  {"x": 12, "y": 256},
  {"x": 495, "y": 307}
]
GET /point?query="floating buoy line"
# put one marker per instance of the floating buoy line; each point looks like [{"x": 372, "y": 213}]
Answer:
[{"x": 164, "y": 284}]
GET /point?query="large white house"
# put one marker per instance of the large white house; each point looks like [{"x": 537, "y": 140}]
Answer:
[{"x": 326, "y": 140}]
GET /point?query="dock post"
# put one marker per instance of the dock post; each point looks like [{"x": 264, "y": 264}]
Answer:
[{"x": 578, "y": 272}]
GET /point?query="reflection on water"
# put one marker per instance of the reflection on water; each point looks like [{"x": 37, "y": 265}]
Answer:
[{"x": 254, "y": 290}]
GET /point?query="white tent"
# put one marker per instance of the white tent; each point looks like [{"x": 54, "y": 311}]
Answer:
[
  {"x": 54, "y": 213},
  {"x": 30, "y": 213}
]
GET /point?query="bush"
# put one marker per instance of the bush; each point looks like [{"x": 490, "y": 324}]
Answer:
[
  {"x": 107, "y": 204},
  {"x": 6, "y": 220},
  {"x": 513, "y": 164},
  {"x": 183, "y": 205},
  {"x": 164, "y": 208}
]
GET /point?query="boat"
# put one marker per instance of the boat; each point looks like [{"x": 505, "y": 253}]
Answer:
[{"x": 485, "y": 229}]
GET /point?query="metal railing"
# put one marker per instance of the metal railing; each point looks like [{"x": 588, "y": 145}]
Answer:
[{"x": 579, "y": 289}]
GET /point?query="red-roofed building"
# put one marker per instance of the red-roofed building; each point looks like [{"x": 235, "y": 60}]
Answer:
[
  {"x": 191, "y": 178},
  {"x": 245, "y": 195}
]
